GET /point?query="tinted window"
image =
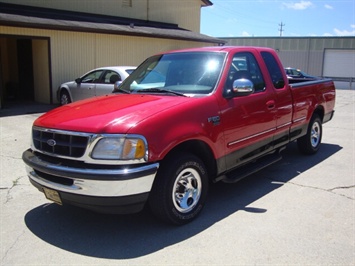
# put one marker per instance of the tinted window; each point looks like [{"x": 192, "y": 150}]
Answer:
[
  {"x": 187, "y": 73},
  {"x": 92, "y": 77},
  {"x": 111, "y": 77},
  {"x": 274, "y": 70},
  {"x": 129, "y": 71},
  {"x": 244, "y": 65}
]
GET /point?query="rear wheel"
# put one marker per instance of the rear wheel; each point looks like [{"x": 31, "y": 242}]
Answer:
[
  {"x": 64, "y": 98},
  {"x": 180, "y": 189},
  {"x": 310, "y": 143}
]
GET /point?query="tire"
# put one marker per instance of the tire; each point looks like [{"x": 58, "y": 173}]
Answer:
[
  {"x": 180, "y": 189},
  {"x": 64, "y": 98},
  {"x": 310, "y": 143}
]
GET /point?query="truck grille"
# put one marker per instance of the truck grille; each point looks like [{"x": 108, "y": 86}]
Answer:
[{"x": 59, "y": 143}]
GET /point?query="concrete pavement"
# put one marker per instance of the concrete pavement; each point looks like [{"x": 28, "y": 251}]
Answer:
[{"x": 300, "y": 211}]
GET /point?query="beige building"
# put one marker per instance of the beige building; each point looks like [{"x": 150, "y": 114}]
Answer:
[{"x": 44, "y": 43}]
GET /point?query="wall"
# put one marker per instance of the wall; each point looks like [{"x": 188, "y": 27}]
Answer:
[
  {"x": 306, "y": 53},
  {"x": 185, "y": 13},
  {"x": 72, "y": 54},
  {"x": 41, "y": 70}
]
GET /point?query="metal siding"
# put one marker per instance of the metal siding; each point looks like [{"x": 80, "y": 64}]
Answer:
[
  {"x": 184, "y": 13},
  {"x": 306, "y": 53},
  {"x": 41, "y": 71},
  {"x": 315, "y": 60},
  {"x": 348, "y": 43},
  {"x": 103, "y": 7},
  {"x": 318, "y": 44},
  {"x": 294, "y": 59},
  {"x": 74, "y": 53}
]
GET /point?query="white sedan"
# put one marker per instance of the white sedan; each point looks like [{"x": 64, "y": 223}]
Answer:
[{"x": 99, "y": 81}]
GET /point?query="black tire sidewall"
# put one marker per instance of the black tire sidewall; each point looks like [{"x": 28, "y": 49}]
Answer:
[
  {"x": 67, "y": 95},
  {"x": 162, "y": 202},
  {"x": 304, "y": 143}
]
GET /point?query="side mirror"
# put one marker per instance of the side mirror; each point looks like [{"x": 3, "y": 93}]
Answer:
[
  {"x": 242, "y": 87},
  {"x": 78, "y": 80},
  {"x": 116, "y": 85}
]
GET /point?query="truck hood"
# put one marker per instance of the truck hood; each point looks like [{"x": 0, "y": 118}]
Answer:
[{"x": 108, "y": 114}]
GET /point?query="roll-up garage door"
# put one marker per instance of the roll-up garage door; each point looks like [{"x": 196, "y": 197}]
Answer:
[{"x": 339, "y": 63}]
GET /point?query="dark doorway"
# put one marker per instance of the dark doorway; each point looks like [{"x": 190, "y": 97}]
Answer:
[{"x": 25, "y": 70}]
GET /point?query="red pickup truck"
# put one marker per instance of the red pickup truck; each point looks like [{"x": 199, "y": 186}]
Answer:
[{"x": 181, "y": 121}]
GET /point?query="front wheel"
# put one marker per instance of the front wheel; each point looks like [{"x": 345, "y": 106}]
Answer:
[
  {"x": 310, "y": 143},
  {"x": 180, "y": 189},
  {"x": 64, "y": 98}
]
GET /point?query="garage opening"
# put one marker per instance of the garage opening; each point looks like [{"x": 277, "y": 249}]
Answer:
[
  {"x": 339, "y": 64},
  {"x": 24, "y": 71}
]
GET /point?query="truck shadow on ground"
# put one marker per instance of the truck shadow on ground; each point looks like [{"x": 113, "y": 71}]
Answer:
[
  {"x": 131, "y": 236},
  {"x": 25, "y": 108}
]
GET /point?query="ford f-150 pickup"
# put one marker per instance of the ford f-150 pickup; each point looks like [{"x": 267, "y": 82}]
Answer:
[{"x": 180, "y": 122}]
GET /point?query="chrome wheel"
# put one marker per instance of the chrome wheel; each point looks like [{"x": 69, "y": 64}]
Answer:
[
  {"x": 64, "y": 98},
  {"x": 180, "y": 188},
  {"x": 315, "y": 134},
  {"x": 310, "y": 143},
  {"x": 187, "y": 190}
]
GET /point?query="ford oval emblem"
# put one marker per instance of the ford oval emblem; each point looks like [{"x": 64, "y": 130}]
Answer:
[{"x": 51, "y": 142}]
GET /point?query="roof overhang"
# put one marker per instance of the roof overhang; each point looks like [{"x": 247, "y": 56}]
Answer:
[
  {"x": 206, "y": 3},
  {"x": 101, "y": 24}
]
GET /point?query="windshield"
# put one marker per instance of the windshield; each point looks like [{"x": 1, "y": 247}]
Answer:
[{"x": 178, "y": 73}]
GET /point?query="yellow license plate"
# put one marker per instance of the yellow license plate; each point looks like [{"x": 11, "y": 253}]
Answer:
[{"x": 52, "y": 195}]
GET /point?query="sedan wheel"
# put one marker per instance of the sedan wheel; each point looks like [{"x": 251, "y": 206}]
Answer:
[{"x": 64, "y": 98}]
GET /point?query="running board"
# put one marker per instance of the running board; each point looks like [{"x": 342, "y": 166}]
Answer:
[{"x": 250, "y": 168}]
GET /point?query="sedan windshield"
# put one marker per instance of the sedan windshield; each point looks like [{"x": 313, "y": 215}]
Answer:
[{"x": 187, "y": 73}]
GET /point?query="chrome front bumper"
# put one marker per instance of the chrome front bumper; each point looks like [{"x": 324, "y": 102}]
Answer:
[{"x": 90, "y": 181}]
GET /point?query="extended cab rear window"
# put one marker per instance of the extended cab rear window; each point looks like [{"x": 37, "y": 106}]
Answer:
[{"x": 274, "y": 70}]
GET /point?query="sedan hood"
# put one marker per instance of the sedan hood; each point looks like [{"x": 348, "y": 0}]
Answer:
[{"x": 107, "y": 114}]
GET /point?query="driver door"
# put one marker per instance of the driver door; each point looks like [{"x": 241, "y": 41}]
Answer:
[
  {"x": 87, "y": 86},
  {"x": 249, "y": 121}
]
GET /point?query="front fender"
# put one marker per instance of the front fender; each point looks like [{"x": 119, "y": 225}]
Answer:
[
  {"x": 66, "y": 89},
  {"x": 189, "y": 121}
]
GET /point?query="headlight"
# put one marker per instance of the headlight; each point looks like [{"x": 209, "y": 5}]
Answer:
[{"x": 121, "y": 148}]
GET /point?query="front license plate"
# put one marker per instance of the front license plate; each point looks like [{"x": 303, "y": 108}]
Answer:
[{"x": 52, "y": 195}]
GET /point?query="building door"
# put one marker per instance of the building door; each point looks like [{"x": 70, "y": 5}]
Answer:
[
  {"x": 339, "y": 63},
  {"x": 25, "y": 70}
]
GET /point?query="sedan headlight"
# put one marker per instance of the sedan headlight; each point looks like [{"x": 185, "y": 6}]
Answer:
[{"x": 121, "y": 148}]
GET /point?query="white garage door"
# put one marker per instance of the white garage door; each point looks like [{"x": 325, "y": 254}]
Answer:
[{"x": 339, "y": 63}]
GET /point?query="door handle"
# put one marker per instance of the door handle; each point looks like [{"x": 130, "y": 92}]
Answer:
[{"x": 270, "y": 104}]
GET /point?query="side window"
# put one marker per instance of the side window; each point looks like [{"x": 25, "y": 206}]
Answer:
[
  {"x": 274, "y": 70},
  {"x": 244, "y": 65},
  {"x": 111, "y": 77},
  {"x": 92, "y": 77}
]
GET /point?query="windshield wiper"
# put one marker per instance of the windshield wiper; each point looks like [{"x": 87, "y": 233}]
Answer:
[
  {"x": 159, "y": 90},
  {"x": 118, "y": 89}
]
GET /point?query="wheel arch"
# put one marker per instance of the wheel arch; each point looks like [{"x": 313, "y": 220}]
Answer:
[
  {"x": 64, "y": 89},
  {"x": 199, "y": 149},
  {"x": 319, "y": 111}
]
